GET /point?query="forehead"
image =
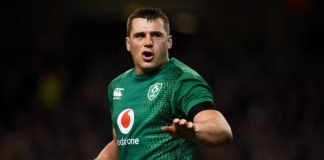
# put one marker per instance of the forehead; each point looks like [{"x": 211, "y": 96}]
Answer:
[{"x": 144, "y": 25}]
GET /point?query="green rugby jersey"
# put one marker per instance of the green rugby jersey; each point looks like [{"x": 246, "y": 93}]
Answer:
[{"x": 141, "y": 105}]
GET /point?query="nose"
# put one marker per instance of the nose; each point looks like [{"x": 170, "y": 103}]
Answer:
[{"x": 148, "y": 41}]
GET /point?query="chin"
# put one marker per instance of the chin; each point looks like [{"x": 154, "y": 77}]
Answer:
[
  {"x": 149, "y": 68},
  {"x": 150, "y": 64}
]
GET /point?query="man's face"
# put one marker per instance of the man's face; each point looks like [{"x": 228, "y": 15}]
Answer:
[{"x": 148, "y": 43}]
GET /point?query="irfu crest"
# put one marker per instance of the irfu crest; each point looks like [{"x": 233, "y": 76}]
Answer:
[{"x": 154, "y": 90}]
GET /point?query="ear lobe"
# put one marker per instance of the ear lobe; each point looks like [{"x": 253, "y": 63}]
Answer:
[{"x": 127, "y": 43}]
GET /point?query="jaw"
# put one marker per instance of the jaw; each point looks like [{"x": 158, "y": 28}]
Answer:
[
  {"x": 149, "y": 66},
  {"x": 145, "y": 67}
]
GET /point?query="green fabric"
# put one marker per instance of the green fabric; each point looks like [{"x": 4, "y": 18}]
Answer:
[{"x": 155, "y": 100}]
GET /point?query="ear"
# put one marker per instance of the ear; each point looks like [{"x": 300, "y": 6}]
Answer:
[
  {"x": 170, "y": 42},
  {"x": 127, "y": 43}
]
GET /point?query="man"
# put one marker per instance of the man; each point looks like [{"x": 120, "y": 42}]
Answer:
[{"x": 161, "y": 108}]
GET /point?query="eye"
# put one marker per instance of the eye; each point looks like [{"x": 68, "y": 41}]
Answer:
[{"x": 156, "y": 34}]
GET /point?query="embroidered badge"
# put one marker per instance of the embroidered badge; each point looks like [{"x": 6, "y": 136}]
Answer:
[{"x": 154, "y": 90}]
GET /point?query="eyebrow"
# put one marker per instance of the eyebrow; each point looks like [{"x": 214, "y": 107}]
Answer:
[
  {"x": 153, "y": 32},
  {"x": 156, "y": 32},
  {"x": 139, "y": 33}
]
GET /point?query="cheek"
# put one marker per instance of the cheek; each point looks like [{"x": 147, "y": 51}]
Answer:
[
  {"x": 135, "y": 47},
  {"x": 164, "y": 46}
]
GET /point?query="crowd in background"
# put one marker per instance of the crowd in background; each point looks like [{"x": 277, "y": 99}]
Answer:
[{"x": 265, "y": 70}]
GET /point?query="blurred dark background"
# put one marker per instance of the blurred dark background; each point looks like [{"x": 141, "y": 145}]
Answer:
[{"x": 263, "y": 60}]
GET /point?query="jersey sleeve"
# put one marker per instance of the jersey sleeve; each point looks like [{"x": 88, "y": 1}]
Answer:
[
  {"x": 189, "y": 92},
  {"x": 110, "y": 91}
]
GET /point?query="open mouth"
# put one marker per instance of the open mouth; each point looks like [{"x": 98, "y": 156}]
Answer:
[{"x": 148, "y": 56}]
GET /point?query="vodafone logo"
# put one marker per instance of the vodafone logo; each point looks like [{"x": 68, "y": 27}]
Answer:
[
  {"x": 125, "y": 120},
  {"x": 125, "y": 123}
]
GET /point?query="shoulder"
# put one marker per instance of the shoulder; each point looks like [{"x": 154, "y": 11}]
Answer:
[
  {"x": 187, "y": 72},
  {"x": 122, "y": 77}
]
